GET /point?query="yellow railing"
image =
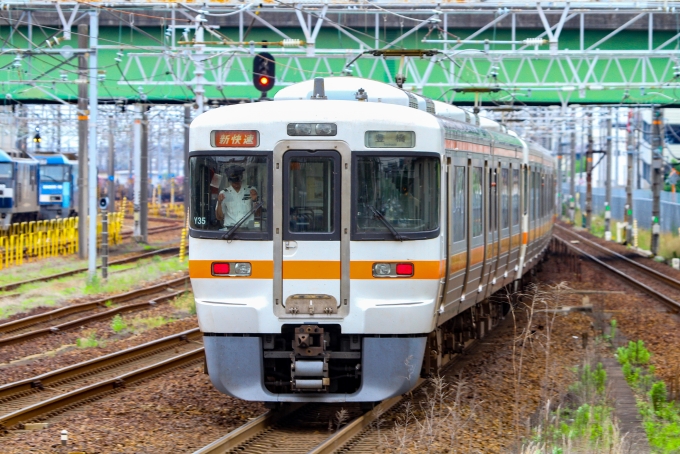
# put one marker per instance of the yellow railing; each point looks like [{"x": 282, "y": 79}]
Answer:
[{"x": 37, "y": 240}]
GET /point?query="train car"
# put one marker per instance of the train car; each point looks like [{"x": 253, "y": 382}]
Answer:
[
  {"x": 346, "y": 237},
  {"x": 58, "y": 188},
  {"x": 18, "y": 189}
]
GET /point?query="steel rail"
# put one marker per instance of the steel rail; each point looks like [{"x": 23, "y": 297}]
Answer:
[
  {"x": 68, "y": 310},
  {"x": 14, "y": 285},
  {"x": 93, "y": 391},
  {"x": 93, "y": 365},
  {"x": 674, "y": 305},
  {"x": 650, "y": 271}
]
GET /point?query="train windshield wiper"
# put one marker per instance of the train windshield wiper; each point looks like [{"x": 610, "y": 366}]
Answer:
[
  {"x": 387, "y": 223},
  {"x": 235, "y": 227}
]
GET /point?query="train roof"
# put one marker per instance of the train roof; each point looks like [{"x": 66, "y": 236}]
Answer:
[
  {"x": 7, "y": 157},
  {"x": 52, "y": 158},
  {"x": 271, "y": 119}
]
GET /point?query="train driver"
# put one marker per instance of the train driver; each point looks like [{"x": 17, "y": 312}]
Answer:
[{"x": 236, "y": 200}]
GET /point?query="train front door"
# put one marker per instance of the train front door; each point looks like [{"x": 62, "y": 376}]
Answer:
[{"x": 311, "y": 234}]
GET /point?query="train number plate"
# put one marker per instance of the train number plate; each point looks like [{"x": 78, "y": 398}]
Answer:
[{"x": 311, "y": 305}]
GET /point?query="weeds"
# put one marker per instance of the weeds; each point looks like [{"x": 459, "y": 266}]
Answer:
[
  {"x": 117, "y": 324},
  {"x": 661, "y": 417},
  {"x": 89, "y": 341},
  {"x": 185, "y": 302}
]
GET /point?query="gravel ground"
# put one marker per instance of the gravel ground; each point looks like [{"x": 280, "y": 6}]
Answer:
[
  {"x": 44, "y": 354},
  {"x": 176, "y": 413},
  {"x": 638, "y": 316},
  {"x": 485, "y": 403}
]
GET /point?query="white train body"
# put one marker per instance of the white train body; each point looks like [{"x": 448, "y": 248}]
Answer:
[{"x": 356, "y": 247}]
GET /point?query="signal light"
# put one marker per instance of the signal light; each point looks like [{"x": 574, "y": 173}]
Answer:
[
  {"x": 220, "y": 268},
  {"x": 264, "y": 71},
  {"x": 404, "y": 269}
]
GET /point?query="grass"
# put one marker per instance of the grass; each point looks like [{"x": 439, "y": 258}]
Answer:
[
  {"x": 90, "y": 341},
  {"x": 185, "y": 302},
  {"x": 54, "y": 292},
  {"x": 669, "y": 242},
  {"x": 584, "y": 424},
  {"x": 660, "y": 416}
]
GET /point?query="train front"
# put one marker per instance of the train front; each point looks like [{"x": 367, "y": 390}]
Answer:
[
  {"x": 316, "y": 247},
  {"x": 6, "y": 189},
  {"x": 56, "y": 189}
]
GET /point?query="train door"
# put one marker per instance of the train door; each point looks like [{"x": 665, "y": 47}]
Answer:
[
  {"x": 515, "y": 210},
  {"x": 311, "y": 230},
  {"x": 503, "y": 222},
  {"x": 492, "y": 240},
  {"x": 457, "y": 235},
  {"x": 476, "y": 229}
]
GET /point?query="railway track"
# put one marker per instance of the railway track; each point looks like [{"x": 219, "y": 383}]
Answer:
[
  {"x": 656, "y": 284},
  {"x": 319, "y": 428},
  {"x": 135, "y": 258},
  {"x": 154, "y": 230},
  {"x": 53, "y": 392},
  {"x": 51, "y": 322}
]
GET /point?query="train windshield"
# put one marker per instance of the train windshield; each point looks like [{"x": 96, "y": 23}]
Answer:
[
  {"x": 6, "y": 170},
  {"x": 396, "y": 197},
  {"x": 55, "y": 173},
  {"x": 229, "y": 191}
]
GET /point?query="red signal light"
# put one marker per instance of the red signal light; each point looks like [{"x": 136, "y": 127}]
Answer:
[
  {"x": 264, "y": 80},
  {"x": 404, "y": 269},
  {"x": 220, "y": 268}
]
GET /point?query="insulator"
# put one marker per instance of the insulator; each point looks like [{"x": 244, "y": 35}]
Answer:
[
  {"x": 534, "y": 41},
  {"x": 291, "y": 42}
]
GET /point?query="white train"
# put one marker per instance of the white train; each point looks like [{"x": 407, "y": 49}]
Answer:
[{"x": 346, "y": 237}]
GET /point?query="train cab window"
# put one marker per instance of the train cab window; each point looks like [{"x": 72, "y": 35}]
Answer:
[
  {"x": 505, "y": 181},
  {"x": 515, "y": 196},
  {"x": 311, "y": 201},
  {"x": 396, "y": 197},
  {"x": 459, "y": 201},
  {"x": 57, "y": 173},
  {"x": 6, "y": 170},
  {"x": 230, "y": 194},
  {"x": 477, "y": 201}
]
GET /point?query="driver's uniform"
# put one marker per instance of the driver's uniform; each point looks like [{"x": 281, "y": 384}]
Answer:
[{"x": 236, "y": 204}]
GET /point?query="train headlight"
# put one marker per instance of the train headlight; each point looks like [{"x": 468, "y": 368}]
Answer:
[
  {"x": 242, "y": 269},
  {"x": 312, "y": 129},
  {"x": 393, "y": 269},
  {"x": 382, "y": 269}
]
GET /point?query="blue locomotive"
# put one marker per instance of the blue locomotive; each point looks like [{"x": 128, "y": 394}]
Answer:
[
  {"x": 18, "y": 189},
  {"x": 58, "y": 191}
]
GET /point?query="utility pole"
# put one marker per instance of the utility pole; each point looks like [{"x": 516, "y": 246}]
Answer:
[
  {"x": 589, "y": 173},
  {"x": 137, "y": 161},
  {"x": 187, "y": 123},
  {"x": 92, "y": 147},
  {"x": 608, "y": 181},
  {"x": 144, "y": 179},
  {"x": 572, "y": 177},
  {"x": 112, "y": 170},
  {"x": 630, "y": 177},
  {"x": 657, "y": 176},
  {"x": 83, "y": 116}
]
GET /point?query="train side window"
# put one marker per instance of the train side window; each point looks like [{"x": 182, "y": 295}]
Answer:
[
  {"x": 459, "y": 203},
  {"x": 515, "y": 196},
  {"x": 477, "y": 201},
  {"x": 505, "y": 181}
]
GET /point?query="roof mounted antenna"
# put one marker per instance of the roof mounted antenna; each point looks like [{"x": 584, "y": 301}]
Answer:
[{"x": 319, "y": 90}]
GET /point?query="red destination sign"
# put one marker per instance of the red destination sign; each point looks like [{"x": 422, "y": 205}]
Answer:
[{"x": 235, "y": 139}]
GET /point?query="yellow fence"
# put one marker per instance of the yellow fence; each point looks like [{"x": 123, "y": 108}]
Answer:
[{"x": 37, "y": 240}]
